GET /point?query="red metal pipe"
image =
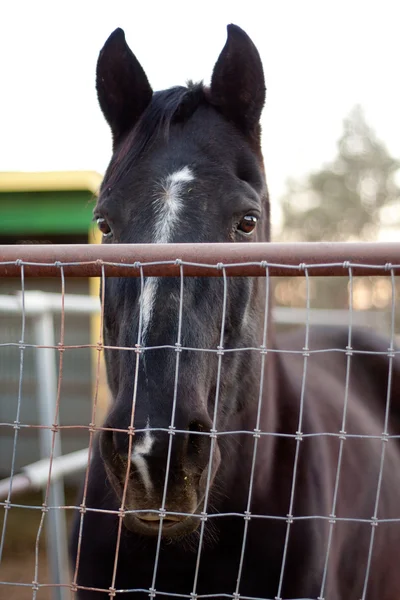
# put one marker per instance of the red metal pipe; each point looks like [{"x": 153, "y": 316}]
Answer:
[{"x": 320, "y": 259}]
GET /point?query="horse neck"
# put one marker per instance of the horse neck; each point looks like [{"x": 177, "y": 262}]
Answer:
[
  {"x": 263, "y": 366},
  {"x": 263, "y": 370}
]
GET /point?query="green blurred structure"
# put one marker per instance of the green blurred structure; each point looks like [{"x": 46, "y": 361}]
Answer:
[{"x": 53, "y": 207}]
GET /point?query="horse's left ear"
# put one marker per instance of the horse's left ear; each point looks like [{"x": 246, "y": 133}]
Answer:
[{"x": 237, "y": 83}]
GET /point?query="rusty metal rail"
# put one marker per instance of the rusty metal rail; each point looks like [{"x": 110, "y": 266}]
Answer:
[{"x": 127, "y": 260}]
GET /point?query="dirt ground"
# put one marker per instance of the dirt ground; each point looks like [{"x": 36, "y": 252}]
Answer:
[{"x": 18, "y": 562}]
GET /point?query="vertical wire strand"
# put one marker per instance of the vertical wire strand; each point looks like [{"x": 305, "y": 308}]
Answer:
[
  {"x": 45, "y": 507},
  {"x": 213, "y": 434},
  {"x": 263, "y": 352},
  {"x": 130, "y": 432},
  {"x": 342, "y": 437},
  {"x": 92, "y": 430},
  {"x": 385, "y": 435},
  {"x": 7, "y": 502},
  {"x": 299, "y": 438},
  {"x": 152, "y": 590}
]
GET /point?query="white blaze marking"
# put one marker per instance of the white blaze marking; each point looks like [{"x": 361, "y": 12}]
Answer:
[
  {"x": 168, "y": 205},
  {"x": 140, "y": 450},
  {"x": 147, "y": 303}
]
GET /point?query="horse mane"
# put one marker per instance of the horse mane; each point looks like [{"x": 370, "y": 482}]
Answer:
[{"x": 174, "y": 105}]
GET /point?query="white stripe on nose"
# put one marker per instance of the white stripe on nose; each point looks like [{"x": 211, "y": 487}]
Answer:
[
  {"x": 168, "y": 205},
  {"x": 139, "y": 452}
]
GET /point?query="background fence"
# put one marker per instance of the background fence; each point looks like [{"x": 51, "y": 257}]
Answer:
[{"x": 37, "y": 354}]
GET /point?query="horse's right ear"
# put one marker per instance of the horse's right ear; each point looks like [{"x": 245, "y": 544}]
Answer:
[{"x": 122, "y": 86}]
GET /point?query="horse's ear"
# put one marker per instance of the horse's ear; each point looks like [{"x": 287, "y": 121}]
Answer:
[
  {"x": 122, "y": 86},
  {"x": 237, "y": 83}
]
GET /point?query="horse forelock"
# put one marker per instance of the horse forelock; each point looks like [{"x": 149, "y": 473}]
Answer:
[{"x": 168, "y": 106}]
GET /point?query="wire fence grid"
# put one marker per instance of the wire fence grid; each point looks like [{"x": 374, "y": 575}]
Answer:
[{"x": 67, "y": 588}]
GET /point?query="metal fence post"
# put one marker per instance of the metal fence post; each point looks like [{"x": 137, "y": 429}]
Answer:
[{"x": 57, "y": 552}]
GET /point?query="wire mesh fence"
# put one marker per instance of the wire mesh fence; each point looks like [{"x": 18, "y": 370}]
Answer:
[{"x": 119, "y": 262}]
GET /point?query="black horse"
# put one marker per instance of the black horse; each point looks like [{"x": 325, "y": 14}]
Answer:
[{"x": 300, "y": 505}]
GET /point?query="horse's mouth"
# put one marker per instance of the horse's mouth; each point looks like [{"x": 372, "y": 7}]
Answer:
[
  {"x": 154, "y": 521},
  {"x": 171, "y": 526}
]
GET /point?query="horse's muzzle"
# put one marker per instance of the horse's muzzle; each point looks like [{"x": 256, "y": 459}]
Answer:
[{"x": 184, "y": 500}]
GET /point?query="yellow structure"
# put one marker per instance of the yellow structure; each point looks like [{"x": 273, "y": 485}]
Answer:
[{"x": 57, "y": 206}]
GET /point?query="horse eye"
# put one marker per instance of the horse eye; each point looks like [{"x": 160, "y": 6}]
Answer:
[
  {"x": 248, "y": 224},
  {"x": 104, "y": 227}
]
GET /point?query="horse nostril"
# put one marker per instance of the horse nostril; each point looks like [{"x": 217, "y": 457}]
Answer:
[
  {"x": 196, "y": 426},
  {"x": 120, "y": 443},
  {"x": 106, "y": 445},
  {"x": 113, "y": 444},
  {"x": 198, "y": 435}
]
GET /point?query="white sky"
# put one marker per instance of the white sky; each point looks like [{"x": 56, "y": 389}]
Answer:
[{"x": 320, "y": 58}]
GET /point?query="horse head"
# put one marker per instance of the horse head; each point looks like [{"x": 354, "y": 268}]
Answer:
[{"x": 186, "y": 167}]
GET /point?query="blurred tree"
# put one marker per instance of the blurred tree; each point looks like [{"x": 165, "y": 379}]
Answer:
[{"x": 350, "y": 198}]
